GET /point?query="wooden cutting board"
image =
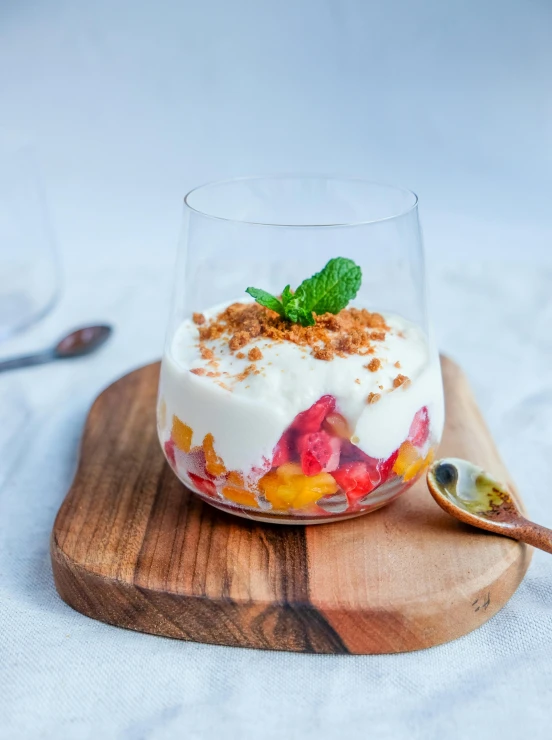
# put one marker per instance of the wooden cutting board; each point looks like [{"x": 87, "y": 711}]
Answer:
[{"x": 133, "y": 547}]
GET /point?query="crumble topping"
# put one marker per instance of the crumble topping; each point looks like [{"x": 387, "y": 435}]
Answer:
[
  {"x": 254, "y": 354},
  {"x": 373, "y": 365},
  {"x": 401, "y": 380},
  {"x": 206, "y": 353},
  {"x": 351, "y": 331}
]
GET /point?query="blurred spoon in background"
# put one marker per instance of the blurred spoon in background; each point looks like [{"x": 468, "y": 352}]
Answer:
[{"x": 78, "y": 343}]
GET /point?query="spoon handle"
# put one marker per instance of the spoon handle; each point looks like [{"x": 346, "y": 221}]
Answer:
[
  {"x": 38, "y": 358},
  {"x": 535, "y": 535}
]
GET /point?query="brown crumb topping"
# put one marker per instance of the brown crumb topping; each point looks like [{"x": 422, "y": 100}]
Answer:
[
  {"x": 254, "y": 354},
  {"x": 206, "y": 353},
  {"x": 239, "y": 340},
  {"x": 323, "y": 353},
  {"x": 373, "y": 397},
  {"x": 401, "y": 380},
  {"x": 373, "y": 365},
  {"x": 249, "y": 370},
  {"x": 198, "y": 371},
  {"x": 357, "y": 380},
  {"x": 198, "y": 318},
  {"x": 351, "y": 331},
  {"x": 397, "y": 364},
  {"x": 377, "y": 336},
  {"x": 240, "y": 355}
]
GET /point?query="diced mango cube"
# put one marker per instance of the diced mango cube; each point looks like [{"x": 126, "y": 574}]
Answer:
[
  {"x": 181, "y": 434},
  {"x": 240, "y": 496},
  {"x": 409, "y": 461},
  {"x": 213, "y": 463},
  {"x": 289, "y": 471},
  {"x": 288, "y": 488}
]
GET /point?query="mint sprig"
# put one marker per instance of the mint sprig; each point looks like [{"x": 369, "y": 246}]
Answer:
[{"x": 328, "y": 291}]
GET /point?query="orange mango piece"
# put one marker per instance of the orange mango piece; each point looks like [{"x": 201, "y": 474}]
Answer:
[
  {"x": 237, "y": 492},
  {"x": 409, "y": 462},
  {"x": 240, "y": 496},
  {"x": 288, "y": 488},
  {"x": 181, "y": 434},
  {"x": 213, "y": 463},
  {"x": 314, "y": 487},
  {"x": 269, "y": 485}
]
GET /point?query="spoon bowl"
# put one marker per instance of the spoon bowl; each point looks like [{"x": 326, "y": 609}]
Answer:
[
  {"x": 473, "y": 496},
  {"x": 82, "y": 341},
  {"x": 79, "y": 342}
]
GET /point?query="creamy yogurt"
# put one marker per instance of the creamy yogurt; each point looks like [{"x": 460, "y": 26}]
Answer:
[{"x": 248, "y": 416}]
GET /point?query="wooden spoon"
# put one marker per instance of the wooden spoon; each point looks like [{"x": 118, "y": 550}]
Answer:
[{"x": 470, "y": 494}]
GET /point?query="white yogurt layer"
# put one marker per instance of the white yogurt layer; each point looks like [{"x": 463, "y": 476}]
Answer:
[{"x": 247, "y": 417}]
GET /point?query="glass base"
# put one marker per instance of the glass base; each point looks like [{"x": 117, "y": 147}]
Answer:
[{"x": 269, "y": 517}]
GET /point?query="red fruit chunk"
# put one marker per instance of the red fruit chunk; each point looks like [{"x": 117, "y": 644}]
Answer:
[
  {"x": 419, "y": 429},
  {"x": 311, "y": 420},
  {"x": 385, "y": 467},
  {"x": 169, "y": 452},
  {"x": 205, "y": 486},
  {"x": 356, "y": 479},
  {"x": 285, "y": 449},
  {"x": 319, "y": 452}
]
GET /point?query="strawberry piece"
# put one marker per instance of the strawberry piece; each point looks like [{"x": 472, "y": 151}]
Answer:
[
  {"x": 285, "y": 449},
  {"x": 356, "y": 479},
  {"x": 319, "y": 452},
  {"x": 419, "y": 429},
  {"x": 311, "y": 420},
  {"x": 170, "y": 453},
  {"x": 385, "y": 467},
  {"x": 205, "y": 486}
]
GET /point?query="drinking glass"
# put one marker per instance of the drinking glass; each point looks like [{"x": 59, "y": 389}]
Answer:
[
  {"x": 29, "y": 270},
  {"x": 243, "y": 442}
]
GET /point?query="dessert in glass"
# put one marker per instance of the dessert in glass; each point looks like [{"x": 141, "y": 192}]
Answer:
[{"x": 300, "y": 383}]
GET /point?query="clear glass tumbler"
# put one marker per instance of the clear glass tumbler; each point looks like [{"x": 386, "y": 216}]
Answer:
[
  {"x": 29, "y": 269},
  {"x": 271, "y": 420}
]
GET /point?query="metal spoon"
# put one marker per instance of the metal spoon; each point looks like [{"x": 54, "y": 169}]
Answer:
[
  {"x": 470, "y": 494},
  {"x": 79, "y": 342}
]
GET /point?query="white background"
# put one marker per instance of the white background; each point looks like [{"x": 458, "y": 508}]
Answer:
[{"x": 131, "y": 104}]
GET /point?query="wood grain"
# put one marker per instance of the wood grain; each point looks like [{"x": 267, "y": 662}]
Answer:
[{"x": 133, "y": 547}]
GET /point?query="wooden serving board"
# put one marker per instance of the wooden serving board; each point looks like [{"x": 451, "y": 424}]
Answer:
[{"x": 133, "y": 547}]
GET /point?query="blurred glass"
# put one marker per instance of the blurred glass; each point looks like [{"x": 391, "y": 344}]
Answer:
[{"x": 29, "y": 268}]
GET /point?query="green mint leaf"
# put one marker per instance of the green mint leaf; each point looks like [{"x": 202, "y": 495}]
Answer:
[
  {"x": 328, "y": 291},
  {"x": 267, "y": 300},
  {"x": 298, "y": 315},
  {"x": 287, "y": 295},
  {"x": 331, "y": 289}
]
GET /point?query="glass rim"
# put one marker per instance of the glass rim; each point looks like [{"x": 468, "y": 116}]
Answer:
[{"x": 297, "y": 177}]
